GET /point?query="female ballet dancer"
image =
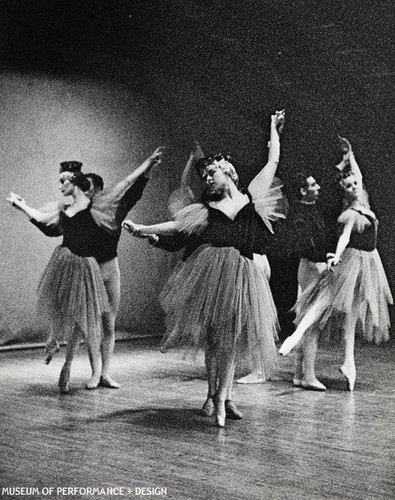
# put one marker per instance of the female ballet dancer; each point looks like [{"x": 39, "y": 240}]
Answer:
[
  {"x": 219, "y": 297},
  {"x": 354, "y": 289},
  {"x": 79, "y": 291}
]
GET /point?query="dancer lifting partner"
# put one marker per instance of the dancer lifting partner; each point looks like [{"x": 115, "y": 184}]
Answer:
[
  {"x": 354, "y": 291},
  {"x": 79, "y": 291},
  {"x": 219, "y": 297}
]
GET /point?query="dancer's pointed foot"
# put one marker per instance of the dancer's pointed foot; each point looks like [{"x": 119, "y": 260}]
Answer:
[
  {"x": 313, "y": 385},
  {"x": 108, "y": 382},
  {"x": 50, "y": 350},
  {"x": 232, "y": 411},
  {"x": 93, "y": 383},
  {"x": 289, "y": 343},
  {"x": 350, "y": 373},
  {"x": 252, "y": 378},
  {"x": 64, "y": 380},
  {"x": 208, "y": 407}
]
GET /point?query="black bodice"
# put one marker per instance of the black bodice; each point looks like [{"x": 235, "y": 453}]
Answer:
[
  {"x": 83, "y": 237},
  {"x": 246, "y": 232},
  {"x": 367, "y": 239}
]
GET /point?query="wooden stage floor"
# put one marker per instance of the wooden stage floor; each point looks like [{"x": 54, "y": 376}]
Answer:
[{"x": 291, "y": 444}]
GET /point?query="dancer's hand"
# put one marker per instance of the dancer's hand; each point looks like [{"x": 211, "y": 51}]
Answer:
[
  {"x": 134, "y": 229},
  {"x": 16, "y": 200},
  {"x": 152, "y": 238},
  {"x": 278, "y": 120},
  {"x": 196, "y": 150},
  {"x": 156, "y": 157},
  {"x": 345, "y": 145},
  {"x": 332, "y": 261}
]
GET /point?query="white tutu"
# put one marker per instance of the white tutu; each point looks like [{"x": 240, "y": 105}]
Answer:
[
  {"x": 72, "y": 292},
  {"x": 358, "y": 286},
  {"x": 219, "y": 298}
]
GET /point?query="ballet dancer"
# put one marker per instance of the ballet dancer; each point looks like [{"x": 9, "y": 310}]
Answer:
[{"x": 355, "y": 288}]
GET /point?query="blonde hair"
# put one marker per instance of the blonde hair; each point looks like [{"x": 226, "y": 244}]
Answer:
[{"x": 363, "y": 197}]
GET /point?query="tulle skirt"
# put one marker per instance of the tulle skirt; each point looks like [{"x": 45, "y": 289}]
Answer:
[
  {"x": 71, "y": 292},
  {"x": 357, "y": 290},
  {"x": 220, "y": 299}
]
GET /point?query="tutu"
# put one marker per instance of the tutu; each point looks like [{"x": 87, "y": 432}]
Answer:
[
  {"x": 71, "y": 291},
  {"x": 219, "y": 298},
  {"x": 358, "y": 287}
]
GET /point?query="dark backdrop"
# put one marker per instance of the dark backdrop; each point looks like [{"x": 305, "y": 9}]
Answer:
[{"x": 214, "y": 71}]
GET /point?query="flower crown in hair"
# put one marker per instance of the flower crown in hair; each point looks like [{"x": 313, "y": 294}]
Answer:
[
  {"x": 67, "y": 175},
  {"x": 224, "y": 162}
]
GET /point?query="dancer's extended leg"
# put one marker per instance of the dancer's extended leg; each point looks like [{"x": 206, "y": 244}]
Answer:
[{"x": 311, "y": 316}]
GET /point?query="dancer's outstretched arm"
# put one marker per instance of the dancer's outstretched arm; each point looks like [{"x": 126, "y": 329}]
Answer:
[
  {"x": 265, "y": 177},
  {"x": 19, "y": 203},
  {"x": 163, "y": 229}
]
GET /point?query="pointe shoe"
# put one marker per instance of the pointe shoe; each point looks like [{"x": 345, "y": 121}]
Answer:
[
  {"x": 220, "y": 420},
  {"x": 50, "y": 351},
  {"x": 64, "y": 381},
  {"x": 314, "y": 385},
  {"x": 350, "y": 374},
  {"x": 252, "y": 378},
  {"x": 208, "y": 407},
  {"x": 289, "y": 343},
  {"x": 232, "y": 411},
  {"x": 108, "y": 383}
]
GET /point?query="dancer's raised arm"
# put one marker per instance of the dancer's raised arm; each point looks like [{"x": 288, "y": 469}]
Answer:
[
  {"x": 265, "y": 177},
  {"x": 348, "y": 165},
  {"x": 144, "y": 169}
]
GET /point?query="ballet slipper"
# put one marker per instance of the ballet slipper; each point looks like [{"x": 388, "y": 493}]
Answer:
[
  {"x": 350, "y": 374},
  {"x": 208, "y": 407},
  {"x": 92, "y": 384},
  {"x": 232, "y": 411},
  {"x": 64, "y": 380},
  {"x": 107, "y": 382},
  {"x": 313, "y": 385},
  {"x": 50, "y": 350},
  {"x": 290, "y": 342},
  {"x": 252, "y": 378}
]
